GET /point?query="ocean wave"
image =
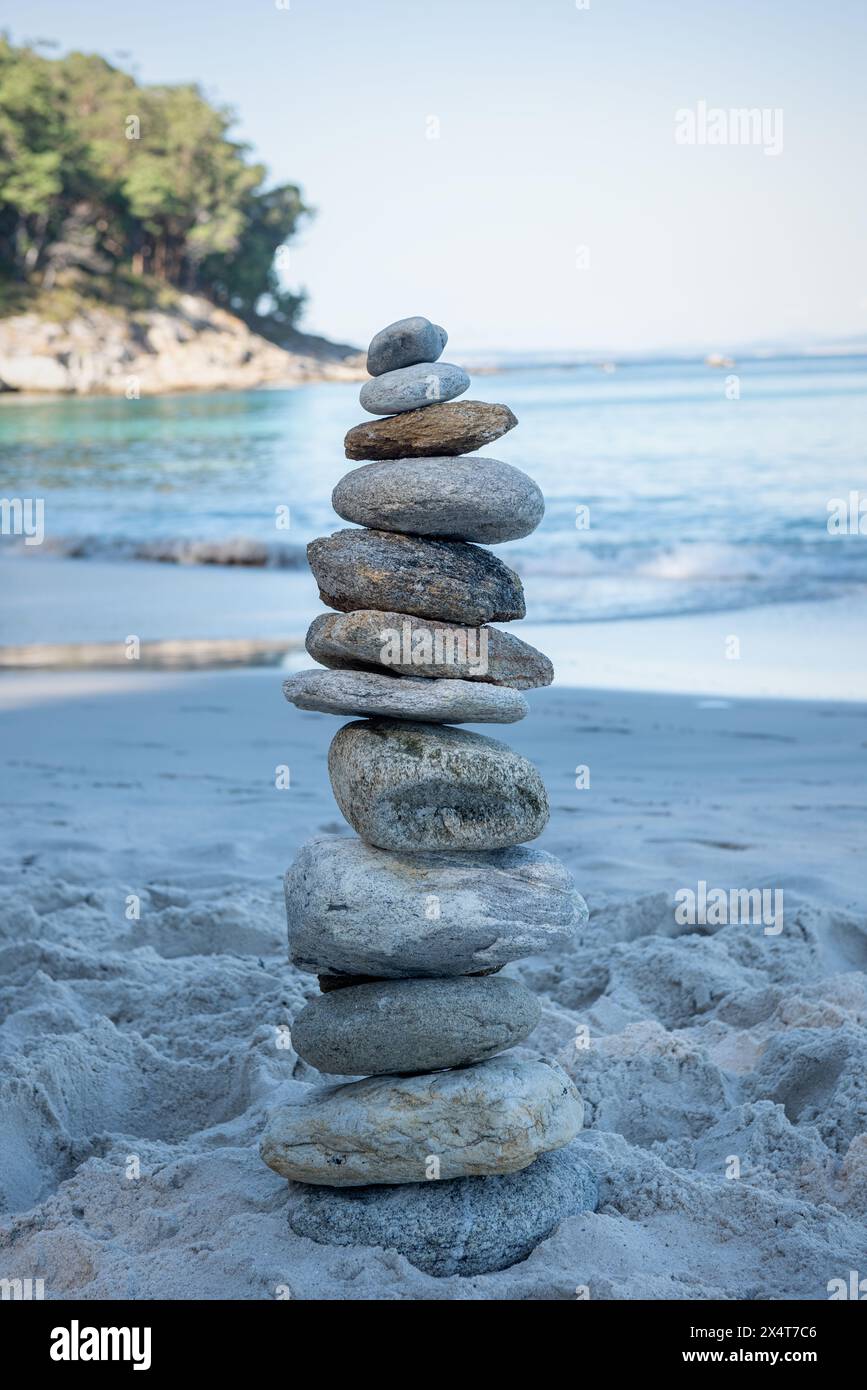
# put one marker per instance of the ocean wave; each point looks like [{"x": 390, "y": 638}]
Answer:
[
  {"x": 240, "y": 551},
  {"x": 635, "y": 580},
  {"x": 689, "y": 562},
  {"x": 707, "y": 561},
  {"x": 591, "y": 581}
]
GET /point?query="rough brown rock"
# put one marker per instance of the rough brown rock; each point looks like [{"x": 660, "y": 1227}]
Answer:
[{"x": 451, "y": 427}]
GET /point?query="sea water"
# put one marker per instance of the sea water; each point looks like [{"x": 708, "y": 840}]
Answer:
[{"x": 671, "y": 487}]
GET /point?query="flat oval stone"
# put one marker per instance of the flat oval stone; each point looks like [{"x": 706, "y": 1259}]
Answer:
[
  {"x": 404, "y": 343},
  {"x": 453, "y": 427},
  {"x": 409, "y": 786},
  {"x": 449, "y": 580},
  {"x": 411, "y": 388},
  {"x": 413, "y": 1025},
  {"x": 464, "y": 499},
  {"x": 491, "y": 1117},
  {"x": 404, "y": 697},
  {"x": 369, "y": 639},
  {"x": 465, "y": 1227},
  {"x": 354, "y": 910}
]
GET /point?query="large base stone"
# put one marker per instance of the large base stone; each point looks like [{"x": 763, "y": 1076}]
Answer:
[{"x": 467, "y": 1226}]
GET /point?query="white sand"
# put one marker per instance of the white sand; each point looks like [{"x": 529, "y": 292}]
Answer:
[
  {"x": 156, "y": 1039},
  {"x": 784, "y": 650}
]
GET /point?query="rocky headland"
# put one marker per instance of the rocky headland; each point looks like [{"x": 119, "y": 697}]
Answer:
[{"x": 185, "y": 344}]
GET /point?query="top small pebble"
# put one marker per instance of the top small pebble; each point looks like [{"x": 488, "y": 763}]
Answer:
[{"x": 405, "y": 343}]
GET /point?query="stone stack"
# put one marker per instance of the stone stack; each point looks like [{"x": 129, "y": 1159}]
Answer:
[{"x": 447, "y": 1150}]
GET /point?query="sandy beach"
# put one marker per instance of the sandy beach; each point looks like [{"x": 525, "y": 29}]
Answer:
[
  {"x": 146, "y": 982},
  {"x": 504, "y": 345}
]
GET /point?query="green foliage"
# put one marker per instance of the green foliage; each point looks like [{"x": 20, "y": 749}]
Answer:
[
  {"x": 240, "y": 275},
  {"x": 100, "y": 176}
]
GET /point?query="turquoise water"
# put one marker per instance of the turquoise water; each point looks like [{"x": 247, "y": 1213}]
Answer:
[{"x": 696, "y": 501}]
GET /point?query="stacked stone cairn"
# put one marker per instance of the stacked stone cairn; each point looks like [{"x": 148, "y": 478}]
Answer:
[{"x": 450, "y": 1149}]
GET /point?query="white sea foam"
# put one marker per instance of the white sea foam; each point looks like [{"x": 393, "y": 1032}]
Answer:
[{"x": 244, "y": 551}]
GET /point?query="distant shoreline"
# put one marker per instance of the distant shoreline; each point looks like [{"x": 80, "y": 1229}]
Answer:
[
  {"x": 483, "y": 363},
  {"x": 204, "y": 350}
]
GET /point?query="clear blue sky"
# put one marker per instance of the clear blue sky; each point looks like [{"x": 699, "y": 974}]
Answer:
[{"x": 556, "y": 132}]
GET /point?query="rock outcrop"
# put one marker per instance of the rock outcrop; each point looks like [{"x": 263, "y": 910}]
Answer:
[{"x": 190, "y": 346}]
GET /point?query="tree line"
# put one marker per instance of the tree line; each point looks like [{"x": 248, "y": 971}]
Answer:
[{"x": 102, "y": 176}]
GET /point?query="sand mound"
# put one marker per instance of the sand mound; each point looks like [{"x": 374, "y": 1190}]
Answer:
[{"x": 142, "y": 1055}]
